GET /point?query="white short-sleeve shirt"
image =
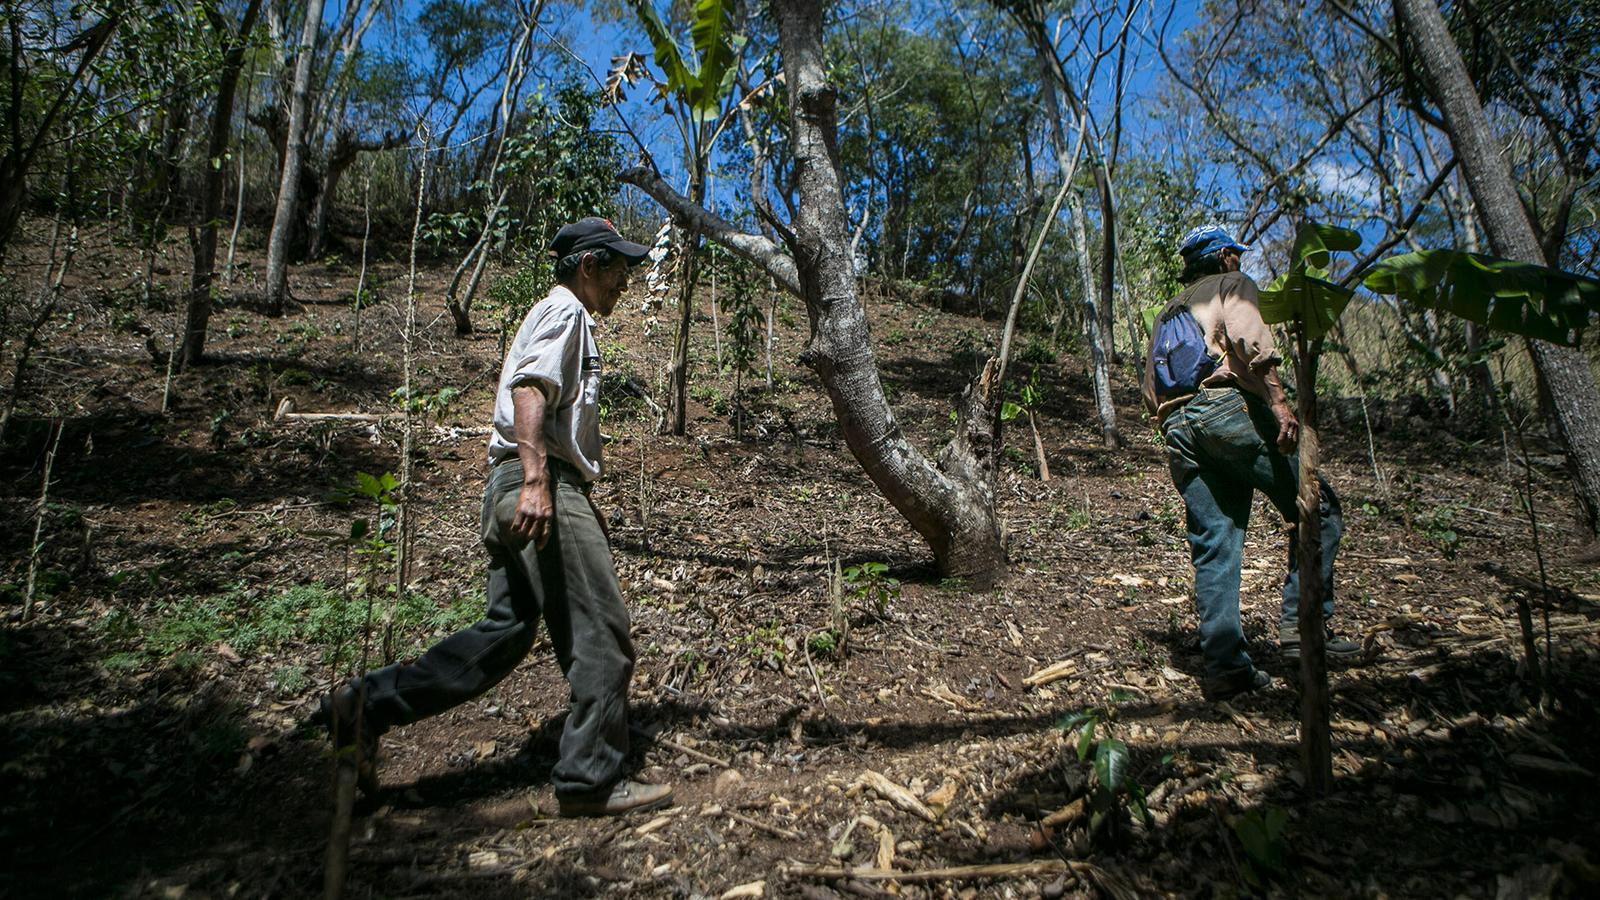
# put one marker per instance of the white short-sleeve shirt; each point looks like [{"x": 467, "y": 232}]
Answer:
[{"x": 554, "y": 350}]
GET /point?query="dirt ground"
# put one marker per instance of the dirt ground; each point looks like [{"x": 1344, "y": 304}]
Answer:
[{"x": 142, "y": 753}]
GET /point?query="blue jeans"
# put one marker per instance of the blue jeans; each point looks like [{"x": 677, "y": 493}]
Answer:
[{"x": 1221, "y": 448}]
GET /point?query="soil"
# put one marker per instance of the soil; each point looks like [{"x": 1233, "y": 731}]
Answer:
[{"x": 192, "y": 772}]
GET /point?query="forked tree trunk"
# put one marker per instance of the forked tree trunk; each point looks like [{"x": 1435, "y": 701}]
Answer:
[
  {"x": 1564, "y": 370},
  {"x": 950, "y": 505},
  {"x": 293, "y": 161},
  {"x": 198, "y": 314}
]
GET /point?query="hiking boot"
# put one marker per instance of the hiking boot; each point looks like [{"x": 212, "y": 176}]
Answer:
[
  {"x": 1226, "y": 687},
  {"x": 1336, "y": 648},
  {"x": 355, "y": 741},
  {"x": 623, "y": 797}
]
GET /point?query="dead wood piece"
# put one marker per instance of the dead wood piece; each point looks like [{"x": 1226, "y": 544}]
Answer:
[
  {"x": 703, "y": 757},
  {"x": 896, "y": 794},
  {"x": 1112, "y": 884},
  {"x": 1072, "y": 812},
  {"x": 759, "y": 825},
  {"x": 1527, "y": 762},
  {"x": 286, "y": 413},
  {"x": 1066, "y": 668}
]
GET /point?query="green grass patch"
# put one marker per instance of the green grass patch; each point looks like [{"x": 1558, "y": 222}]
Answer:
[{"x": 311, "y": 619}]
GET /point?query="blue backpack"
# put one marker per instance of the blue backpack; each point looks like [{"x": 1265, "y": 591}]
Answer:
[{"x": 1181, "y": 360}]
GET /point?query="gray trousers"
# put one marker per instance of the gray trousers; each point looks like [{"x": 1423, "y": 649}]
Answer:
[{"x": 572, "y": 585}]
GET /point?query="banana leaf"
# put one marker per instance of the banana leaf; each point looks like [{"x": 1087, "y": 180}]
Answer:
[
  {"x": 1303, "y": 293},
  {"x": 1517, "y": 297},
  {"x": 1316, "y": 303}
]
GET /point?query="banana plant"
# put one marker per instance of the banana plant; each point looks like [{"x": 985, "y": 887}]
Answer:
[
  {"x": 1304, "y": 295},
  {"x": 694, "y": 92},
  {"x": 1304, "y": 299},
  {"x": 702, "y": 81}
]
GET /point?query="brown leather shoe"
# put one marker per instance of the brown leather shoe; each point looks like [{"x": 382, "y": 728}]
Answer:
[{"x": 623, "y": 797}]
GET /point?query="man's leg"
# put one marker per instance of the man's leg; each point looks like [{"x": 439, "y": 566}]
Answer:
[
  {"x": 469, "y": 662},
  {"x": 1278, "y": 476},
  {"x": 1217, "y": 514},
  {"x": 590, "y": 630}
]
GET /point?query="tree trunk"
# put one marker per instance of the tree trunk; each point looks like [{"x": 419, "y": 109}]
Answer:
[
  {"x": 1316, "y": 747},
  {"x": 953, "y": 510},
  {"x": 205, "y": 247},
  {"x": 17, "y": 158},
  {"x": 688, "y": 274},
  {"x": 1565, "y": 370},
  {"x": 293, "y": 161},
  {"x": 951, "y": 505},
  {"x": 1099, "y": 359}
]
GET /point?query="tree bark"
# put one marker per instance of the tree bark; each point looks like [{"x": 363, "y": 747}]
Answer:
[
  {"x": 1096, "y": 337},
  {"x": 1316, "y": 744},
  {"x": 346, "y": 149},
  {"x": 293, "y": 161},
  {"x": 18, "y": 158},
  {"x": 1564, "y": 370},
  {"x": 950, "y": 505},
  {"x": 198, "y": 314}
]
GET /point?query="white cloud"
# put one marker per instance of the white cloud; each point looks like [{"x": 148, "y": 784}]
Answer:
[{"x": 1340, "y": 179}]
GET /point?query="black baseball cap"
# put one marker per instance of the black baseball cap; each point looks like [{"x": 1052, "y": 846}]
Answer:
[{"x": 593, "y": 233}]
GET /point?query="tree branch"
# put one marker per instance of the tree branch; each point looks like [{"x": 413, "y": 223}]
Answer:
[{"x": 755, "y": 248}]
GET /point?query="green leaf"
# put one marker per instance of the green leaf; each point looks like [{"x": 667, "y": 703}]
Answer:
[
  {"x": 1314, "y": 243},
  {"x": 1069, "y": 722},
  {"x": 679, "y": 78},
  {"x": 1517, "y": 297},
  {"x": 1009, "y": 411},
  {"x": 718, "y": 51},
  {"x": 367, "y": 486},
  {"x": 358, "y": 529},
  {"x": 1299, "y": 297},
  {"x": 1086, "y": 739},
  {"x": 1302, "y": 294},
  {"x": 1148, "y": 316},
  {"x": 1111, "y": 763}
]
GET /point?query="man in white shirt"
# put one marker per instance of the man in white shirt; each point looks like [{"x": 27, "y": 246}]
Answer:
[{"x": 549, "y": 556}]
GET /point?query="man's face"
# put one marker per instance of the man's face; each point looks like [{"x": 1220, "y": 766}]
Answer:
[{"x": 609, "y": 283}]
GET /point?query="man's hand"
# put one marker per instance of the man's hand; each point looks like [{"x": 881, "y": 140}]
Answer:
[
  {"x": 1288, "y": 427},
  {"x": 534, "y": 513}
]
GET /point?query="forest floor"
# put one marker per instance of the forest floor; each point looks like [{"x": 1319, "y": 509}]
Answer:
[{"x": 195, "y": 594}]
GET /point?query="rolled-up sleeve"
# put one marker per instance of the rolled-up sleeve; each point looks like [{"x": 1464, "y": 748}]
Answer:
[
  {"x": 1249, "y": 338},
  {"x": 549, "y": 355}
]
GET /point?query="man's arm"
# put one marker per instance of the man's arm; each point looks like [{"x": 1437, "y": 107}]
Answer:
[
  {"x": 534, "y": 506},
  {"x": 1288, "y": 425},
  {"x": 1250, "y": 344}
]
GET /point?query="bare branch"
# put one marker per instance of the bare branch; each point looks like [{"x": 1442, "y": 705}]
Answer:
[{"x": 753, "y": 247}]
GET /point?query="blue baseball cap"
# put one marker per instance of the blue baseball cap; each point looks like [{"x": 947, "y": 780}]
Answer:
[{"x": 1205, "y": 240}]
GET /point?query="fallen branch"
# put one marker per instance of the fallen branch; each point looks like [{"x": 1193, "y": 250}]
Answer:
[
  {"x": 1110, "y": 883},
  {"x": 895, "y": 794},
  {"x": 703, "y": 757},
  {"x": 1053, "y": 672},
  {"x": 286, "y": 413},
  {"x": 759, "y": 825}
]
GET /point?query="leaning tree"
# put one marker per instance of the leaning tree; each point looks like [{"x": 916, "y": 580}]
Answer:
[{"x": 949, "y": 501}]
